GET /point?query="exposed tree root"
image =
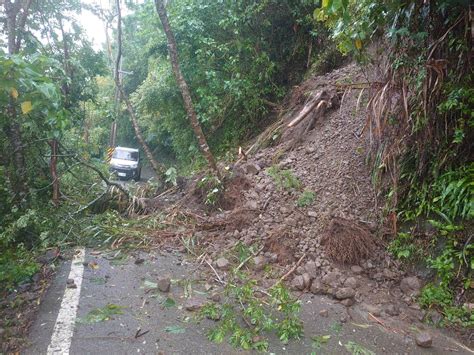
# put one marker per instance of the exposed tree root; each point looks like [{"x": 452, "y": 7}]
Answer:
[{"x": 348, "y": 242}]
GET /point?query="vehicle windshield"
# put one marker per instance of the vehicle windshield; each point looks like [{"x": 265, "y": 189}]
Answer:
[{"x": 125, "y": 155}]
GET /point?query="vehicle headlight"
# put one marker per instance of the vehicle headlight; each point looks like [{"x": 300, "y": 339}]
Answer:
[{"x": 134, "y": 166}]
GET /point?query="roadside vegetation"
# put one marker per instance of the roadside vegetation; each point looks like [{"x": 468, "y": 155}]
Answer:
[{"x": 422, "y": 142}]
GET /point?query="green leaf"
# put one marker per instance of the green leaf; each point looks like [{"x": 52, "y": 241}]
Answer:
[
  {"x": 175, "y": 329},
  {"x": 102, "y": 314},
  {"x": 149, "y": 284},
  {"x": 169, "y": 302}
]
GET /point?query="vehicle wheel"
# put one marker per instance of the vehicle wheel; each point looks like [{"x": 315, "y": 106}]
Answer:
[{"x": 138, "y": 175}]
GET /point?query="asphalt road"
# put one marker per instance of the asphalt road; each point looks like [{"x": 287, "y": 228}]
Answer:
[{"x": 147, "y": 326}]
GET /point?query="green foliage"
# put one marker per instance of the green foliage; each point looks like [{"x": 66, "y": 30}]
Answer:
[
  {"x": 433, "y": 174},
  {"x": 441, "y": 297},
  {"x": 306, "y": 198},
  {"x": 447, "y": 262},
  {"x": 171, "y": 176},
  {"x": 16, "y": 267},
  {"x": 242, "y": 251},
  {"x": 317, "y": 342},
  {"x": 357, "y": 349},
  {"x": 236, "y": 56},
  {"x": 211, "y": 311},
  {"x": 403, "y": 246},
  {"x": 284, "y": 179},
  {"x": 175, "y": 329},
  {"x": 353, "y": 22},
  {"x": 102, "y": 314},
  {"x": 455, "y": 193},
  {"x": 211, "y": 190},
  {"x": 278, "y": 313}
]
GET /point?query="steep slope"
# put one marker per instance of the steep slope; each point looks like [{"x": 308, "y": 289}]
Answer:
[{"x": 342, "y": 222}]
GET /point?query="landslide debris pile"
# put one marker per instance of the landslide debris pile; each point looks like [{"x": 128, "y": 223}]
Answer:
[{"x": 306, "y": 198}]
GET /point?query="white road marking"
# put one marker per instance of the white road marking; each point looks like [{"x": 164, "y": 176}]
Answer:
[{"x": 64, "y": 327}]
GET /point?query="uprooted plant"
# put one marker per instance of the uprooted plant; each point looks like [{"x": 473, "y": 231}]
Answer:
[
  {"x": 249, "y": 314},
  {"x": 211, "y": 189}
]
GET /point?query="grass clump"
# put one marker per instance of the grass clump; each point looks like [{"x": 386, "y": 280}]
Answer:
[
  {"x": 306, "y": 198},
  {"x": 284, "y": 179}
]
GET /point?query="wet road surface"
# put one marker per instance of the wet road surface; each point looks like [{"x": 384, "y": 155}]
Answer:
[{"x": 151, "y": 325}]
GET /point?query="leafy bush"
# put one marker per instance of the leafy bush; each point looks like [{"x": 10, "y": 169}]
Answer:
[
  {"x": 211, "y": 189},
  {"x": 455, "y": 193},
  {"x": 16, "y": 267},
  {"x": 403, "y": 246}
]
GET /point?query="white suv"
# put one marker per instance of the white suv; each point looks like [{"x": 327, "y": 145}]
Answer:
[{"x": 126, "y": 163}]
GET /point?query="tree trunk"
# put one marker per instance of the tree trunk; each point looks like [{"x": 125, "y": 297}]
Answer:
[
  {"x": 53, "y": 168},
  {"x": 15, "y": 23},
  {"x": 188, "y": 104},
  {"x": 158, "y": 168}
]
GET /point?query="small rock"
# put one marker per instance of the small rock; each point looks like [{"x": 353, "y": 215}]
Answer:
[
  {"x": 424, "y": 340},
  {"x": 139, "y": 261},
  {"x": 299, "y": 270},
  {"x": 259, "y": 263},
  {"x": 73, "y": 285},
  {"x": 252, "y": 204},
  {"x": 317, "y": 287},
  {"x": 216, "y": 297},
  {"x": 252, "y": 168},
  {"x": 378, "y": 276},
  {"x": 345, "y": 292},
  {"x": 69, "y": 281},
  {"x": 351, "y": 282},
  {"x": 324, "y": 313},
  {"x": 410, "y": 286},
  {"x": 331, "y": 278},
  {"x": 36, "y": 278},
  {"x": 222, "y": 263},
  {"x": 312, "y": 214},
  {"x": 348, "y": 302},
  {"x": 433, "y": 316},
  {"x": 389, "y": 274},
  {"x": 298, "y": 283},
  {"x": 273, "y": 258},
  {"x": 194, "y": 303},
  {"x": 311, "y": 268},
  {"x": 49, "y": 256},
  {"x": 306, "y": 279},
  {"x": 164, "y": 284},
  {"x": 372, "y": 309},
  {"x": 356, "y": 269},
  {"x": 392, "y": 310}
]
